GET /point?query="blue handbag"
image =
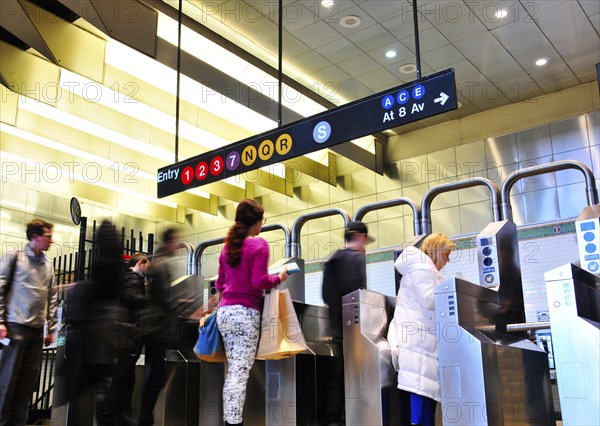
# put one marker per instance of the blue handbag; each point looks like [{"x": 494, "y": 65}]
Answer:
[{"x": 209, "y": 346}]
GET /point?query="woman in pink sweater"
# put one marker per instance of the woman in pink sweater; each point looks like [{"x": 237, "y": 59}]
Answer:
[{"x": 242, "y": 278}]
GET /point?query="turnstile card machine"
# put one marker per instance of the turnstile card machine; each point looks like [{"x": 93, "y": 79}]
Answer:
[
  {"x": 370, "y": 378},
  {"x": 587, "y": 227},
  {"x": 574, "y": 303},
  {"x": 487, "y": 378}
]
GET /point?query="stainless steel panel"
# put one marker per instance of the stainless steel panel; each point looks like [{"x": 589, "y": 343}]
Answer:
[
  {"x": 499, "y": 266},
  {"x": 593, "y": 127},
  {"x": 534, "y": 143},
  {"x": 569, "y": 291},
  {"x": 368, "y": 372},
  {"x": 445, "y": 199},
  {"x": 474, "y": 216},
  {"x": 541, "y": 206},
  {"x": 497, "y": 174},
  {"x": 566, "y": 177},
  {"x": 502, "y": 150},
  {"x": 518, "y": 212},
  {"x": 412, "y": 171},
  {"x": 470, "y": 158},
  {"x": 441, "y": 165},
  {"x": 473, "y": 194},
  {"x": 177, "y": 404},
  {"x": 210, "y": 393},
  {"x": 542, "y": 181},
  {"x": 441, "y": 222},
  {"x": 571, "y": 200},
  {"x": 569, "y": 134},
  {"x": 487, "y": 378}
]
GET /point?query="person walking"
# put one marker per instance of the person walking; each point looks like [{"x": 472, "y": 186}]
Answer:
[
  {"x": 91, "y": 315},
  {"x": 412, "y": 332},
  {"x": 28, "y": 300},
  {"x": 132, "y": 300},
  {"x": 242, "y": 278},
  {"x": 344, "y": 272},
  {"x": 158, "y": 324}
]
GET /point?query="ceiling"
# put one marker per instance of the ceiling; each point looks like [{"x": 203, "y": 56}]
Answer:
[
  {"x": 494, "y": 58},
  {"x": 127, "y": 53}
]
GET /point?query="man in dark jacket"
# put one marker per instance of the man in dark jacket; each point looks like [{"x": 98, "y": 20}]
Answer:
[
  {"x": 344, "y": 272},
  {"x": 130, "y": 342}
]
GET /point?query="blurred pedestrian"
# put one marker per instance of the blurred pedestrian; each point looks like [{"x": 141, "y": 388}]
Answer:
[
  {"x": 28, "y": 300},
  {"x": 92, "y": 313},
  {"x": 242, "y": 278},
  {"x": 344, "y": 272},
  {"x": 130, "y": 338},
  {"x": 412, "y": 332},
  {"x": 158, "y": 324}
]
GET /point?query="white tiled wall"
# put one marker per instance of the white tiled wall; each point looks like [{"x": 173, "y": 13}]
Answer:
[{"x": 537, "y": 256}]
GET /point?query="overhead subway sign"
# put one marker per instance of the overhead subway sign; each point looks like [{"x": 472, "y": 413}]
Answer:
[{"x": 404, "y": 104}]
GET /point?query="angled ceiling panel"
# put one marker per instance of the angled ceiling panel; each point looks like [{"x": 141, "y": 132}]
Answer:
[{"x": 17, "y": 21}]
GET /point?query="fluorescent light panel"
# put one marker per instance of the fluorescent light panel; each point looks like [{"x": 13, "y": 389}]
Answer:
[
  {"x": 234, "y": 66},
  {"x": 165, "y": 78},
  {"x": 76, "y": 176}
]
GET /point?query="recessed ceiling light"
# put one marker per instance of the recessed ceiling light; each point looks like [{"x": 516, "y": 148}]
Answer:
[
  {"x": 327, "y": 3},
  {"x": 501, "y": 14},
  {"x": 350, "y": 21},
  {"x": 541, "y": 62},
  {"x": 407, "y": 68},
  {"x": 390, "y": 53}
]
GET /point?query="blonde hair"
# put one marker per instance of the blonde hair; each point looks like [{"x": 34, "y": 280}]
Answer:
[{"x": 435, "y": 246}]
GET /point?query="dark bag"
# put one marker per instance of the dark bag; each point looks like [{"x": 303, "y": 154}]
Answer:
[{"x": 209, "y": 346}]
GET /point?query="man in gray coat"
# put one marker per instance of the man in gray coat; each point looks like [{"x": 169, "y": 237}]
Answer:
[{"x": 28, "y": 298}]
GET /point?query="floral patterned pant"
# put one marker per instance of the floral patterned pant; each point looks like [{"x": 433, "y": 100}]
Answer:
[{"x": 240, "y": 328}]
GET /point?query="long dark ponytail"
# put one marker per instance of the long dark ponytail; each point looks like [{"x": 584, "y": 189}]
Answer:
[{"x": 248, "y": 212}]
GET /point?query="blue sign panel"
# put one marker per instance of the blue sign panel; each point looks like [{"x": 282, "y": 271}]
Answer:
[{"x": 404, "y": 104}]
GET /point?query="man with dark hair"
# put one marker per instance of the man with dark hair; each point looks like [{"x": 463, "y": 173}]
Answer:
[
  {"x": 28, "y": 299},
  {"x": 344, "y": 272},
  {"x": 133, "y": 300},
  {"x": 159, "y": 324}
]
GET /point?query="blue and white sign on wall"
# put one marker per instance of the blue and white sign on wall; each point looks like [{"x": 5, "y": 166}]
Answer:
[{"x": 404, "y": 104}]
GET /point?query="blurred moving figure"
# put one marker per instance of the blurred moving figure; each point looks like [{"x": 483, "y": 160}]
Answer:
[
  {"x": 343, "y": 272},
  {"x": 91, "y": 315},
  {"x": 158, "y": 323},
  {"x": 412, "y": 332},
  {"x": 28, "y": 297},
  {"x": 130, "y": 337}
]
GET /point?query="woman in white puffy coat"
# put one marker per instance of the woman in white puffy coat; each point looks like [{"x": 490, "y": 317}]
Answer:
[{"x": 412, "y": 333}]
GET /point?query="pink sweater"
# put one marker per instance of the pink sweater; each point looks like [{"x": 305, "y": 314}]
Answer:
[{"x": 244, "y": 284}]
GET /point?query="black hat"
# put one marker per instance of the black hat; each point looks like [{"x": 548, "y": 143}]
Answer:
[{"x": 359, "y": 227}]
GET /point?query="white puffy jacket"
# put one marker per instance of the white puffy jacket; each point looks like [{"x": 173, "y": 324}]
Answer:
[{"x": 412, "y": 334}]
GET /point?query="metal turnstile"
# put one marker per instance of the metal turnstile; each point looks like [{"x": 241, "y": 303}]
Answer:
[
  {"x": 574, "y": 303},
  {"x": 295, "y": 387},
  {"x": 369, "y": 376},
  {"x": 487, "y": 378}
]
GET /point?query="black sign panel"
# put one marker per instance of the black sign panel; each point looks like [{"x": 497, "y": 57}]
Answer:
[{"x": 404, "y": 104}]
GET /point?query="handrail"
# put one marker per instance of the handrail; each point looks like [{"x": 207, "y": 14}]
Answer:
[
  {"x": 189, "y": 248},
  {"x": 295, "y": 250},
  {"x": 378, "y": 205},
  {"x": 216, "y": 241},
  {"x": 452, "y": 186},
  {"x": 590, "y": 182}
]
